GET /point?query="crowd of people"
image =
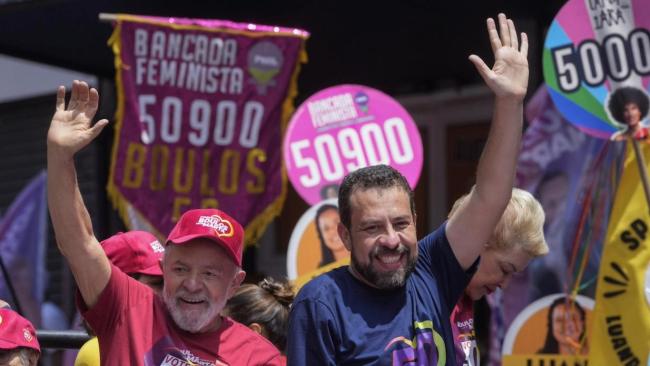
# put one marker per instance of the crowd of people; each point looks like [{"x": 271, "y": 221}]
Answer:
[{"x": 400, "y": 301}]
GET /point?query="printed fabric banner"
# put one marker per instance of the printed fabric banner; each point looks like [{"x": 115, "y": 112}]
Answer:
[
  {"x": 621, "y": 334},
  {"x": 202, "y": 107}
]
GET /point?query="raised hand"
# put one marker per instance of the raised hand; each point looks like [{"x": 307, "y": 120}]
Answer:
[
  {"x": 509, "y": 75},
  {"x": 70, "y": 129}
]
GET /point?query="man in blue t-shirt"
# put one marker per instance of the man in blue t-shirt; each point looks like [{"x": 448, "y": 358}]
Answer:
[{"x": 391, "y": 305}]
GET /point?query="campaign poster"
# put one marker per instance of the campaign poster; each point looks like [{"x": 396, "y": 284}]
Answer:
[
  {"x": 596, "y": 63},
  {"x": 202, "y": 107},
  {"x": 552, "y": 330},
  {"x": 344, "y": 128},
  {"x": 315, "y": 246}
]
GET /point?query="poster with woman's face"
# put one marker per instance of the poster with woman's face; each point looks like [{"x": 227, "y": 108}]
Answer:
[
  {"x": 596, "y": 65},
  {"x": 555, "y": 327},
  {"x": 628, "y": 107},
  {"x": 315, "y": 244}
]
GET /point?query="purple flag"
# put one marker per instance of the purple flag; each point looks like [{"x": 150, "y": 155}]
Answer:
[
  {"x": 23, "y": 237},
  {"x": 202, "y": 107}
]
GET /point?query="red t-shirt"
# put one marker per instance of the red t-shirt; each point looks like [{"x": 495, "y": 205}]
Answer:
[{"x": 134, "y": 328}]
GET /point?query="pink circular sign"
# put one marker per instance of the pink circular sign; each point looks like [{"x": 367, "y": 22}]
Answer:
[{"x": 344, "y": 128}]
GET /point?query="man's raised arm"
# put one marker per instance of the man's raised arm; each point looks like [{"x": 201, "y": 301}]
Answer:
[
  {"x": 472, "y": 224},
  {"x": 70, "y": 131}
]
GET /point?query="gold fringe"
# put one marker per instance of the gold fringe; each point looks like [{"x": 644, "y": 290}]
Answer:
[{"x": 118, "y": 201}]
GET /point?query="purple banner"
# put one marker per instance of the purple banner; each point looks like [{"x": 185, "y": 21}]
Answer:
[
  {"x": 202, "y": 105},
  {"x": 23, "y": 237}
]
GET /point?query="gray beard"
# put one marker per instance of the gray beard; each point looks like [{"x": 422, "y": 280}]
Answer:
[{"x": 193, "y": 321}]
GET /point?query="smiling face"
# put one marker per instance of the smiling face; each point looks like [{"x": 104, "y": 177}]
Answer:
[
  {"x": 567, "y": 325},
  {"x": 495, "y": 270},
  {"x": 199, "y": 277},
  {"x": 382, "y": 237},
  {"x": 631, "y": 114},
  {"x": 328, "y": 222}
]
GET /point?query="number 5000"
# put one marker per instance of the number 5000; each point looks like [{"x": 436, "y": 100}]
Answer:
[{"x": 592, "y": 63}]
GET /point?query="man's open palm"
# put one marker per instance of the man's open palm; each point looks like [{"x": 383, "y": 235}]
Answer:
[
  {"x": 508, "y": 77},
  {"x": 70, "y": 129}
]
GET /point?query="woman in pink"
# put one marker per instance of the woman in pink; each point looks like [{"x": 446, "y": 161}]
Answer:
[{"x": 517, "y": 238}]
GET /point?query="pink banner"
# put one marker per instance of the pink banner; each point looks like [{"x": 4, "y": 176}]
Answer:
[
  {"x": 202, "y": 105},
  {"x": 344, "y": 128}
]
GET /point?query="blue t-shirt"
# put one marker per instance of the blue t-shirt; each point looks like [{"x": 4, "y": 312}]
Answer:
[{"x": 338, "y": 320}]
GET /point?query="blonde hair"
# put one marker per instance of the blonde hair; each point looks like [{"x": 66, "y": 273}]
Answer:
[{"x": 521, "y": 225}]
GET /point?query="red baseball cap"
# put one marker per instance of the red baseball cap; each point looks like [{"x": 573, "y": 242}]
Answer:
[
  {"x": 16, "y": 331},
  {"x": 135, "y": 252},
  {"x": 212, "y": 224}
]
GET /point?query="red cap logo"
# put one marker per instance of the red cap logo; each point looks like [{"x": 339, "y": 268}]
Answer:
[
  {"x": 223, "y": 228},
  {"x": 28, "y": 336}
]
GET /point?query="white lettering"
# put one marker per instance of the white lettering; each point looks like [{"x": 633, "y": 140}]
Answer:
[
  {"x": 158, "y": 45},
  {"x": 195, "y": 62},
  {"x": 266, "y": 60},
  {"x": 192, "y": 76},
  {"x": 140, "y": 69},
  {"x": 332, "y": 110},
  {"x": 140, "y": 48},
  {"x": 224, "y": 227},
  {"x": 157, "y": 247},
  {"x": 230, "y": 52}
]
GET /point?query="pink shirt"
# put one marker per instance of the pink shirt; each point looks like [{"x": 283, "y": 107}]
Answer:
[{"x": 462, "y": 326}]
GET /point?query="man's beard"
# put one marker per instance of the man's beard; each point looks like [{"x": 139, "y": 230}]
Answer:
[
  {"x": 385, "y": 280},
  {"x": 192, "y": 321}
]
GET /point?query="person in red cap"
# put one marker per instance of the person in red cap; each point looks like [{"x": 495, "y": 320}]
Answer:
[
  {"x": 18, "y": 343},
  {"x": 138, "y": 254},
  {"x": 201, "y": 269}
]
